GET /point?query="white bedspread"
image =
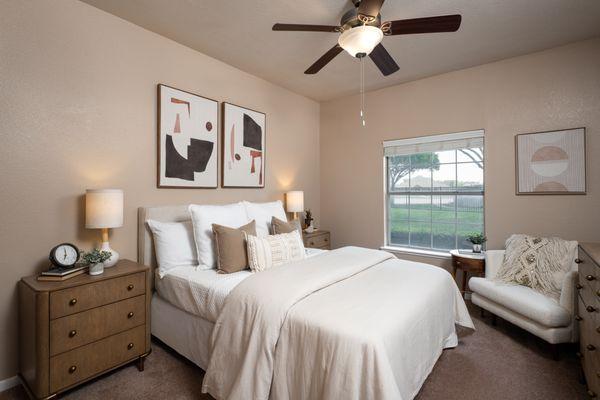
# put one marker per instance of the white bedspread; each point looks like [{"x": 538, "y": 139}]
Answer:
[
  {"x": 202, "y": 292},
  {"x": 350, "y": 324}
]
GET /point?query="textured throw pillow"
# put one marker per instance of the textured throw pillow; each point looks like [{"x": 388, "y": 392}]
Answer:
[
  {"x": 272, "y": 251},
  {"x": 280, "y": 226},
  {"x": 173, "y": 244},
  {"x": 203, "y": 216},
  {"x": 262, "y": 214},
  {"x": 230, "y": 246},
  {"x": 537, "y": 262}
]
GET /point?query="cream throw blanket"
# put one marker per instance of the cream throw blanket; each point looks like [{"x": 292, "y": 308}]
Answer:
[
  {"x": 352, "y": 323},
  {"x": 537, "y": 262}
]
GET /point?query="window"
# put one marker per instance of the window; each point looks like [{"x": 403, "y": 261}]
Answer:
[{"x": 434, "y": 190}]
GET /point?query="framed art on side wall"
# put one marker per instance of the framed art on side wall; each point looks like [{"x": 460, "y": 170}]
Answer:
[
  {"x": 551, "y": 162},
  {"x": 244, "y": 142},
  {"x": 187, "y": 139}
]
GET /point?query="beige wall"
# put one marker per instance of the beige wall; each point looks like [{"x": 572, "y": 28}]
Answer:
[
  {"x": 554, "y": 89},
  {"x": 78, "y": 110}
]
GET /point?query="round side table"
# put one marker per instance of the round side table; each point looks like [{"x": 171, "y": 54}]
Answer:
[{"x": 467, "y": 262}]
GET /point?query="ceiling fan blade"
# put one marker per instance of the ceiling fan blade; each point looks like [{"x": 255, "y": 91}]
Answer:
[
  {"x": 383, "y": 60},
  {"x": 370, "y": 8},
  {"x": 305, "y": 28},
  {"x": 443, "y": 23},
  {"x": 324, "y": 60}
]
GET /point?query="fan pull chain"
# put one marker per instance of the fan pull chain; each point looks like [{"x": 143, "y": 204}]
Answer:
[{"x": 362, "y": 91}]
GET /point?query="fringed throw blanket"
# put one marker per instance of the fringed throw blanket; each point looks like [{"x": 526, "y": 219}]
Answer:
[{"x": 537, "y": 262}]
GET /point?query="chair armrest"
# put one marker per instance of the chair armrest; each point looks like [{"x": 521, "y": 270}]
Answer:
[
  {"x": 493, "y": 261},
  {"x": 568, "y": 294}
]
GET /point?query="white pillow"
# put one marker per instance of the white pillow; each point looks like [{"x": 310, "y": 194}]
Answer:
[
  {"x": 203, "y": 216},
  {"x": 173, "y": 244},
  {"x": 262, "y": 213},
  {"x": 272, "y": 251}
]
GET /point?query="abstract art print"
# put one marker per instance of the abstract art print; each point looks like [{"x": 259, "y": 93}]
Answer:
[
  {"x": 187, "y": 139},
  {"x": 551, "y": 162},
  {"x": 244, "y": 140}
]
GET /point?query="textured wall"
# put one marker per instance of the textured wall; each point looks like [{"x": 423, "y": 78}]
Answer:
[
  {"x": 78, "y": 110},
  {"x": 555, "y": 89}
]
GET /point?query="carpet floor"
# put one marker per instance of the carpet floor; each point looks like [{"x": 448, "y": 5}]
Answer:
[{"x": 494, "y": 362}]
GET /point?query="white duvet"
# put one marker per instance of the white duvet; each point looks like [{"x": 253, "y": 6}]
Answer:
[{"x": 350, "y": 324}]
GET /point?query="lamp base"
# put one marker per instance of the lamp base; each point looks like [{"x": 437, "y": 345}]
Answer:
[{"x": 113, "y": 258}]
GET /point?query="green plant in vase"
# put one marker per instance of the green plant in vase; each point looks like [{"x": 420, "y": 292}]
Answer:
[
  {"x": 477, "y": 239},
  {"x": 95, "y": 260}
]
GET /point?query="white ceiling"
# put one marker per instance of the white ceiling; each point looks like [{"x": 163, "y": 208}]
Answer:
[{"x": 239, "y": 33}]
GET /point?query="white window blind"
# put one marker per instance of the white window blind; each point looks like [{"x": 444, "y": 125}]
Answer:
[{"x": 434, "y": 143}]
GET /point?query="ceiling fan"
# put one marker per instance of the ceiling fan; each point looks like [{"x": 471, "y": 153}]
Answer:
[{"x": 361, "y": 32}]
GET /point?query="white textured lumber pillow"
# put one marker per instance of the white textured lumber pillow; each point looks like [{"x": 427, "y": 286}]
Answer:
[
  {"x": 272, "y": 251},
  {"x": 173, "y": 244},
  {"x": 203, "y": 217}
]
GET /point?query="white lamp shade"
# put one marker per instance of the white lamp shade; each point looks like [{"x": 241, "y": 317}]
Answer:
[
  {"x": 360, "y": 39},
  {"x": 103, "y": 208},
  {"x": 295, "y": 201}
]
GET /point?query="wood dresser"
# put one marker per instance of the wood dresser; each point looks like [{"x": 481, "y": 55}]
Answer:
[
  {"x": 588, "y": 314},
  {"x": 317, "y": 240},
  {"x": 75, "y": 330}
]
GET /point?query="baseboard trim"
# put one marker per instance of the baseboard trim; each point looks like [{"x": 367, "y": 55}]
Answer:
[{"x": 9, "y": 382}]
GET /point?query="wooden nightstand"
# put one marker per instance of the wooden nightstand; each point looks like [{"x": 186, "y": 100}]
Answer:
[
  {"x": 75, "y": 330},
  {"x": 317, "y": 240},
  {"x": 467, "y": 262}
]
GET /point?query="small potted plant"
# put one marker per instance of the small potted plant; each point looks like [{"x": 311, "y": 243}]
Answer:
[
  {"x": 308, "y": 219},
  {"x": 477, "y": 239},
  {"x": 95, "y": 259}
]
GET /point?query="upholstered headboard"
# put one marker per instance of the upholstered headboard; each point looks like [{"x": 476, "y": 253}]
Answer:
[{"x": 177, "y": 213}]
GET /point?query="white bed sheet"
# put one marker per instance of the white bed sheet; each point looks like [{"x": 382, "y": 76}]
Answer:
[{"x": 202, "y": 292}]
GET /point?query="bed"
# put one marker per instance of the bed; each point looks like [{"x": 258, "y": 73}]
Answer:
[{"x": 350, "y": 323}]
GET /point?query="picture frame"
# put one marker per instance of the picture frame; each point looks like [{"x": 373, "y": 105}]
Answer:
[
  {"x": 551, "y": 162},
  {"x": 244, "y": 138},
  {"x": 188, "y": 140}
]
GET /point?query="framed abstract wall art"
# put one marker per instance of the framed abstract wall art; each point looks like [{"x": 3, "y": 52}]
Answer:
[
  {"x": 551, "y": 162},
  {"x": 244, "y": 141},
  {"x": 187, "y": 139}
]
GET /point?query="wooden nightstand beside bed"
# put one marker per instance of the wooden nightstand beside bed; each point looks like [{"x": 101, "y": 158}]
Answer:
[
  {"x": 317, "y": 240},
  {"x": 75, "y": 330}
]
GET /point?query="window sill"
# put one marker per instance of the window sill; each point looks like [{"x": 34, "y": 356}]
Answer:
[{"x": 417, "y": 252}]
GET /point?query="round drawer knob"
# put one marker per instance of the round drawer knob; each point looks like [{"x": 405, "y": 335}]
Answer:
[
  {"x": 72, "y": 333},
  {"x": 578, "y": 318},
  {"x": 590, "y": 277},
  {"x": 590, "y": 309},
  {"x": 579, "y": 286},
  {"x": 130, "y": 287},
  {"x": 72, "y": 302},
  {"x": 327, "y": 240},
  {"x": 578, "y": 261},
  {"x": 130, "y": 314},
  {"x": 590, "y": 347},
  {"x": 130, "y": 346},
  {"x": 579, "y": 355},
  {"x": 72, "y": 369},
  {"x": 591, "y": 394},
  {"x": 312, "y": 243}
]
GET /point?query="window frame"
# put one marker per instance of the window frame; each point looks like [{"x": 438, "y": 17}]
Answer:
[{"x": 430, "y": 251}]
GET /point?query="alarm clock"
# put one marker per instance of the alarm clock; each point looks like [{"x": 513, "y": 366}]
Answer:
[{"x": 64, "y": 255}]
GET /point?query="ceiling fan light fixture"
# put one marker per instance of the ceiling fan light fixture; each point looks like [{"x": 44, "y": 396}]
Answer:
[{"x": 360, "y": 39}]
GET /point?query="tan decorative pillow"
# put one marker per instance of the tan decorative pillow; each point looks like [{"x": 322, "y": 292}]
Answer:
[
  {"x": 280, "y": 226},
  {"x": 537, "y": 262},
  {"x": 274, "y": 250},
  {"x": 230, "y": 246}
]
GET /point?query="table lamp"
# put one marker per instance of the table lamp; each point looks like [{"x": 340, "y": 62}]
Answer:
[
  {"x": 295, "y": 202},
  {"x": 103, "y": 210}
]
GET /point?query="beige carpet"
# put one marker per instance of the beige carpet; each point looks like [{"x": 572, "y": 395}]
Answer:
[{"x": 495, "y": 362}]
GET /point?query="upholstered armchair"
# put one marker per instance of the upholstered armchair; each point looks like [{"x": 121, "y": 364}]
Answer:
[{"x": 543, "y": 316}]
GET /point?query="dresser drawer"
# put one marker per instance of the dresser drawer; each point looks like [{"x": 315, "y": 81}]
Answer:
[
  {"x": 317, "y": 241},
  {"x": 84, "y": 362},
  {"x": 589, "y": 273},
  {"x": 75, "y": 330},
  {"x": 80, "y": 298}
]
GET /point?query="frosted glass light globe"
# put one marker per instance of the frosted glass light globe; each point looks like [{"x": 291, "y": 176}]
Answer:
[{"x": 360, "y": 39}]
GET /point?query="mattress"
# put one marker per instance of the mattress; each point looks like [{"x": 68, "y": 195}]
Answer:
[{"x": 202, "y": 292}]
